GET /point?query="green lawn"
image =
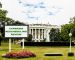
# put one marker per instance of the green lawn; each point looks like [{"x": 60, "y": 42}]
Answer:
[{"x": 39, "y": 51}]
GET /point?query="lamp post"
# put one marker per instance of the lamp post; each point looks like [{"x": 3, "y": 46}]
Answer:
[
  {"x": 70, "y": 35},
  {"x": 70, "y": 52}
]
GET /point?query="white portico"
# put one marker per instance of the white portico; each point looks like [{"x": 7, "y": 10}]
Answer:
[{"x": 41, "y": 31}]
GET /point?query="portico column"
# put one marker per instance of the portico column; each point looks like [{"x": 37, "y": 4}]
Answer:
[
  {"x": 30, "y": 31},
  {"x": 32, "y": 34},
  {"x": 48, "y": 36},
  {"x": 42, "y": 34},
  {"x": 35, "y": 35},
  {"x": 39, "y": 35}
]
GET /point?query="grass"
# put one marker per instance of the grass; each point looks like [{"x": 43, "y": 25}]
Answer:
[{"x": 39, "y": 51}]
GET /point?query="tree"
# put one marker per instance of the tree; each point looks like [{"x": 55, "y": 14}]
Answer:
[
  {"x": 54, "y": 35},
  {"x": 65, "y": 31},
  {"x": 0, "y": 5},
  {"x": 72, "y": 20},
  {"x": 73, "y": 32},
  {"x": 3, "y": 13},
  {"x": 29, "y": 38},
  {"x": 2, "y": 17},
  {"x": 67, "y": 28}
]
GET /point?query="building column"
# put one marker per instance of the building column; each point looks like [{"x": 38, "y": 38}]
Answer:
[
  {"x": 48, "y": 36},
  {"x": 32, "y": 34},
  {"x": 29, "y": 31},
  {"x": 42, "y": 34},
  {"x": 39, "y": 35},
  {"x": 35, "y": 35}
]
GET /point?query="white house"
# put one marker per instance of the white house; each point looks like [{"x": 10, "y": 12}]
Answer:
[{"x": 41, "y": 31}]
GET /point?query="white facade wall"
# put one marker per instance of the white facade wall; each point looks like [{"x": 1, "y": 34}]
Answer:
[{"x": 41, "y": 31}]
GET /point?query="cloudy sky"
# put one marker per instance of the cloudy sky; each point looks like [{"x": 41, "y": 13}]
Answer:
[{"x": 55, "y": 12}]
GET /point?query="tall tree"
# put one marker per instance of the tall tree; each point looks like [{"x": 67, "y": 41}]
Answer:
[
  {"x": 54, "y": 35},
  {"x": 67, "y": 28}
]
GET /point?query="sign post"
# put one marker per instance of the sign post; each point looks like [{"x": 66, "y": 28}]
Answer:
[
  {"x": 23, "y": 43},
  {"x": 9, "y": 45}
]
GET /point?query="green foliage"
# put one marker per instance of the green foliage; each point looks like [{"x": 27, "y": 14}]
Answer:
[
  {"x": 66, "y": 29},
  {"x": 29, "y": 38},
  {"x": 0, "y": 5},
  {"x": 52, "y": 30},
  {"x": 72, "y": 20},
  {"x": 54, "y": 35},
  {"x": 3, "y": 17},
  {"x": 3, "y": 13},
  {"x": 73, "y": 32}
]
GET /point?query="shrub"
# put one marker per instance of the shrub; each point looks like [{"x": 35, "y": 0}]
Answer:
[
  {"x": 29, "y": 38},
  {"x": 21, "y": 54}
]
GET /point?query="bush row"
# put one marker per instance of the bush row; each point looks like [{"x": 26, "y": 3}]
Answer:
[{"x": 47, "y": 43}]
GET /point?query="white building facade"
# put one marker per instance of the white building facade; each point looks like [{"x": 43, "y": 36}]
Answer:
[{"x": 40, "y": 32}]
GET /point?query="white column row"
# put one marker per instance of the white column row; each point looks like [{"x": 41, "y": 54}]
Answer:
[{"x": 40, "y": 34}]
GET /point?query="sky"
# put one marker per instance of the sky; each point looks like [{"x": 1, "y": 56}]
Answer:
[{"x": 55, "y": 12}]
